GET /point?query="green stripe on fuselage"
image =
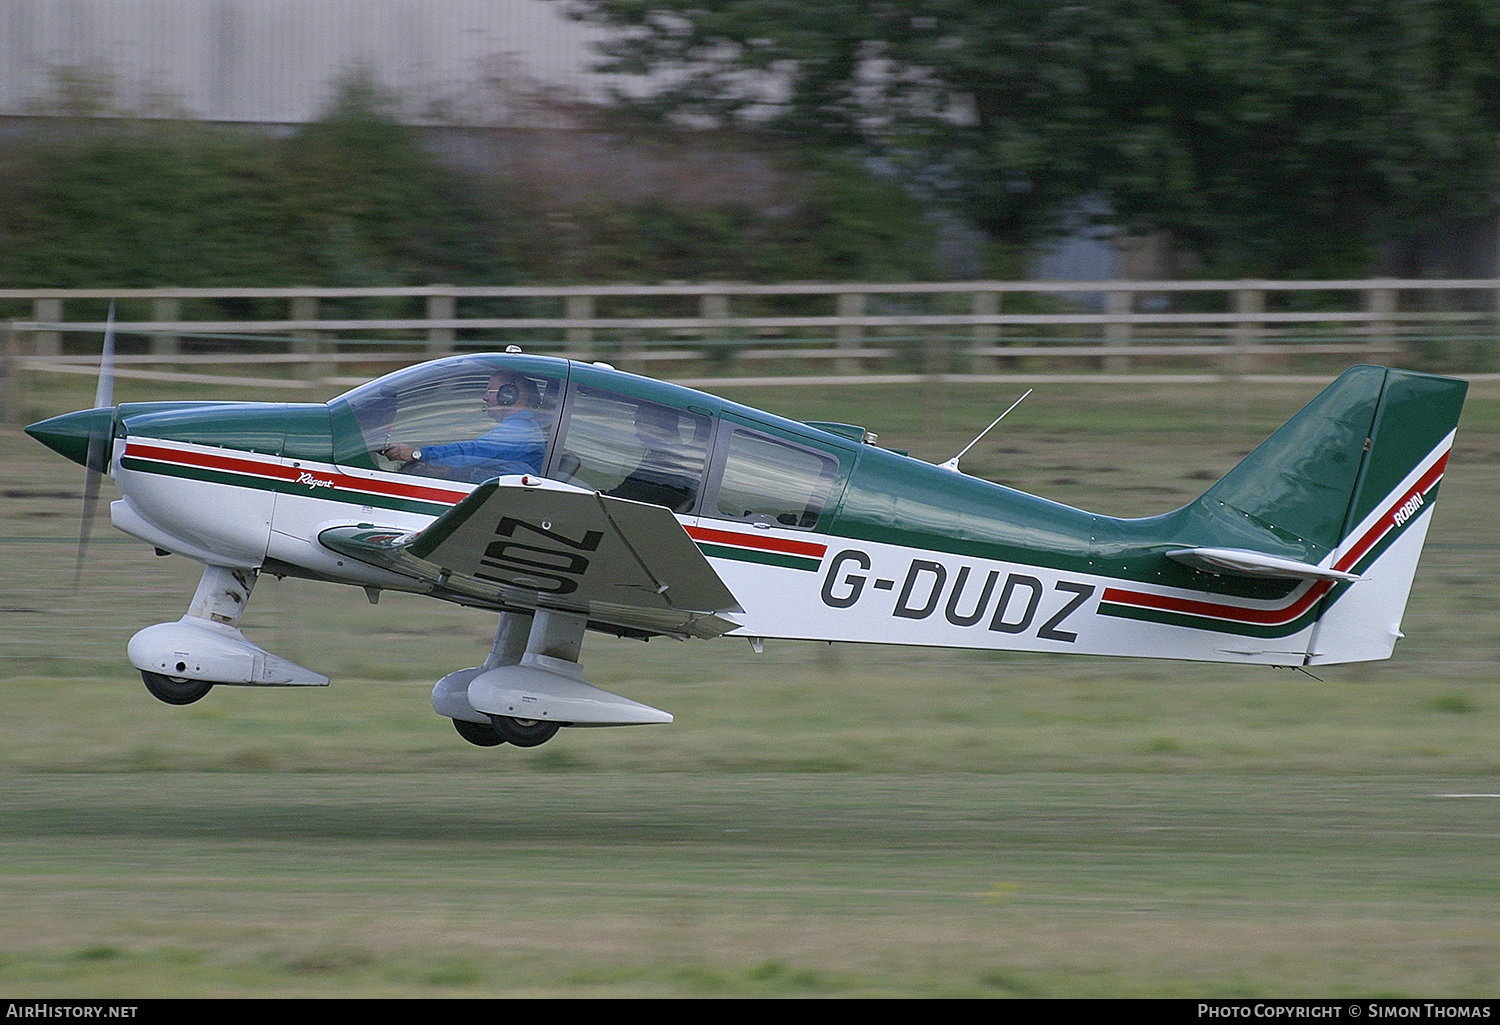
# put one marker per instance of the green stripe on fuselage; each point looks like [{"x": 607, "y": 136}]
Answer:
[
  {"x": 282, "y": 487},
  {"x": 713, "y": 551}
]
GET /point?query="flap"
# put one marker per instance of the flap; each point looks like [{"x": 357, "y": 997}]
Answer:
[
  {"x": 1240, "y": 562},
  {"x": 529, "y": 542}
]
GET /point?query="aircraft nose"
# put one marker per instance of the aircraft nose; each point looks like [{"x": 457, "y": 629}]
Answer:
[{"x": 83, "y": 437}]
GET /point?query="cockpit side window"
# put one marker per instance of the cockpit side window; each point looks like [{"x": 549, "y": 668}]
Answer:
[
  {"x": 768, "y": 480},
  {"x": 468, "y": 419},
  {"x": 629, "y": 447}
]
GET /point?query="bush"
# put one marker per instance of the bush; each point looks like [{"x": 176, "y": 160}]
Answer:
[{"x": 356, "y": 199}]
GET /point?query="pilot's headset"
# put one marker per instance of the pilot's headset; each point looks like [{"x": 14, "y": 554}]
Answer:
[
  {"x": 517, "y": 387},
  {"x": 507, "y": 394}
]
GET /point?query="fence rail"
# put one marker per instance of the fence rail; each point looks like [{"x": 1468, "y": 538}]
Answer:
[{"x": 300, "y": 338}]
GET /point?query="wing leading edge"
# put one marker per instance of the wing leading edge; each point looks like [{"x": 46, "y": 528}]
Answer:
[{"x": 526, "y": 542}]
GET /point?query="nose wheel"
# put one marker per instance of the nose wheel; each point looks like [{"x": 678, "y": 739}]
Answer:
[{"x": 175, "y": 690}]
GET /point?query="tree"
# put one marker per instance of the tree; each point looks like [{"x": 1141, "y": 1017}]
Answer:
[{"x": 1265, "y": 137}]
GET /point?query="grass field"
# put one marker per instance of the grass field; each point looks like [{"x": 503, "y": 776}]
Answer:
[{"x": 819, "y": 821}]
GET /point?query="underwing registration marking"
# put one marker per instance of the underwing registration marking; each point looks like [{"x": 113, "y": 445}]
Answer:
[{"x": 547, "y": 560}]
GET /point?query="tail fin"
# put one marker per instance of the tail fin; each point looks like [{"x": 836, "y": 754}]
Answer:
[{"x": 1346, "y": 486}]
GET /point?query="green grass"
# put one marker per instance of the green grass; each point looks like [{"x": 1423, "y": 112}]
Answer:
[
  {"x": 484, "y": 883},
  {"x": 819, "y": 821}
]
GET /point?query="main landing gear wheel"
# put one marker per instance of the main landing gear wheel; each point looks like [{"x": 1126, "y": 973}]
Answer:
[
  {"x": 524, "y": 732},
  {"x": 175, "y": 690},
  {"x": 478, "y": 734}
]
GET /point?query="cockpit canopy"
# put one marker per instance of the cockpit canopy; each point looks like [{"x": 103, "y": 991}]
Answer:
[{"x": 483, "y": 416}]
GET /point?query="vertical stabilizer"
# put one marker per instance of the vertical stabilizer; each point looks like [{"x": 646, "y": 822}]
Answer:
[
  {"x": 1388, "y": 515},
  {"x": 1290, "y": 497},
  {"x": 1346, "y": 486}
]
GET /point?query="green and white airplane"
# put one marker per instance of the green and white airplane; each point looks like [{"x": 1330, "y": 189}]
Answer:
[{"x": 589, "y": 498}]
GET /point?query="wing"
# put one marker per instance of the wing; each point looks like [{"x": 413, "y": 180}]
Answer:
[{"x": 528, "y": 543}]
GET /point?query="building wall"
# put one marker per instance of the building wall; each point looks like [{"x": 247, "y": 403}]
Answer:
[{"x": 271, "y": 61}]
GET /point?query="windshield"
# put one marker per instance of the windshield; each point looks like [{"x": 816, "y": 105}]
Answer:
[
  {"x": 466, "y": 418},
  {"x": 473, "y": 418}
]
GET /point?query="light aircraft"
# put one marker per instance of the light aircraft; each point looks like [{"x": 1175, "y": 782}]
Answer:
[{"x": 592, "y": 499}]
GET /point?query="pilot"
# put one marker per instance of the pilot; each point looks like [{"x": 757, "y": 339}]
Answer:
[
  {"x": 514, "y": 445},
  {"x": 670, "y": 468}
]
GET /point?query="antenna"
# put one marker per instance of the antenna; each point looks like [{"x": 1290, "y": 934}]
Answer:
[{"x": 952, "y": 464}]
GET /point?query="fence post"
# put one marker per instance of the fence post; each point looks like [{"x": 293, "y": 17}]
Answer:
[
  {"x": 305, "y": 340},
  {"x": 165, "y": 308},
  {"x": 1380, "y": 304},
  {"x": 1248, "y": 300},
  {"x": 48, "y": 343},
  {"x": 580, "y": 340},
  {"x": 441, "y": 306},
  {"x": 715, "y": 306},
  {"x": 1118, "y": 302},
  {"x": 849, "y": 336},
  {"x": 9, "y": 360},
  {"x": 986, "y": 336}
]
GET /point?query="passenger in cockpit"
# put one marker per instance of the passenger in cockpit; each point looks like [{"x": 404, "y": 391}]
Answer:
[
  {"x": 671, "y": 468},
  {"x": 516, "y": 444}
]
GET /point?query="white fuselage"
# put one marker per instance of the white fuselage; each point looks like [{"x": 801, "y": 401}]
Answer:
[{"x": 246, "y": 510}]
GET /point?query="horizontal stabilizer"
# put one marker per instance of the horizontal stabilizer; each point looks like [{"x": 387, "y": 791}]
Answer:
[{"x": 1241, "y": 563}]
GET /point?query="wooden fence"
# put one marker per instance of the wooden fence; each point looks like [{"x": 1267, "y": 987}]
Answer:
[{"x": 317, "y": 338}]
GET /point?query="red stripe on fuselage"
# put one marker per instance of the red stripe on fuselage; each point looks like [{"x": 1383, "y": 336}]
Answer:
[
  {"x": 290, "y": 474},
  {"x": 765, "y": 543},
  {"x": 1300, "y": 603}
]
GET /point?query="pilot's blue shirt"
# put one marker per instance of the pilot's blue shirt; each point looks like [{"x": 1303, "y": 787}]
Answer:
[{"x": 514, "y": 445}]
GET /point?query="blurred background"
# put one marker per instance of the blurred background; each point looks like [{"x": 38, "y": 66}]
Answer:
[
  {"x": 267, "y": 142},
  {"x": 767, "y": 191}
]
